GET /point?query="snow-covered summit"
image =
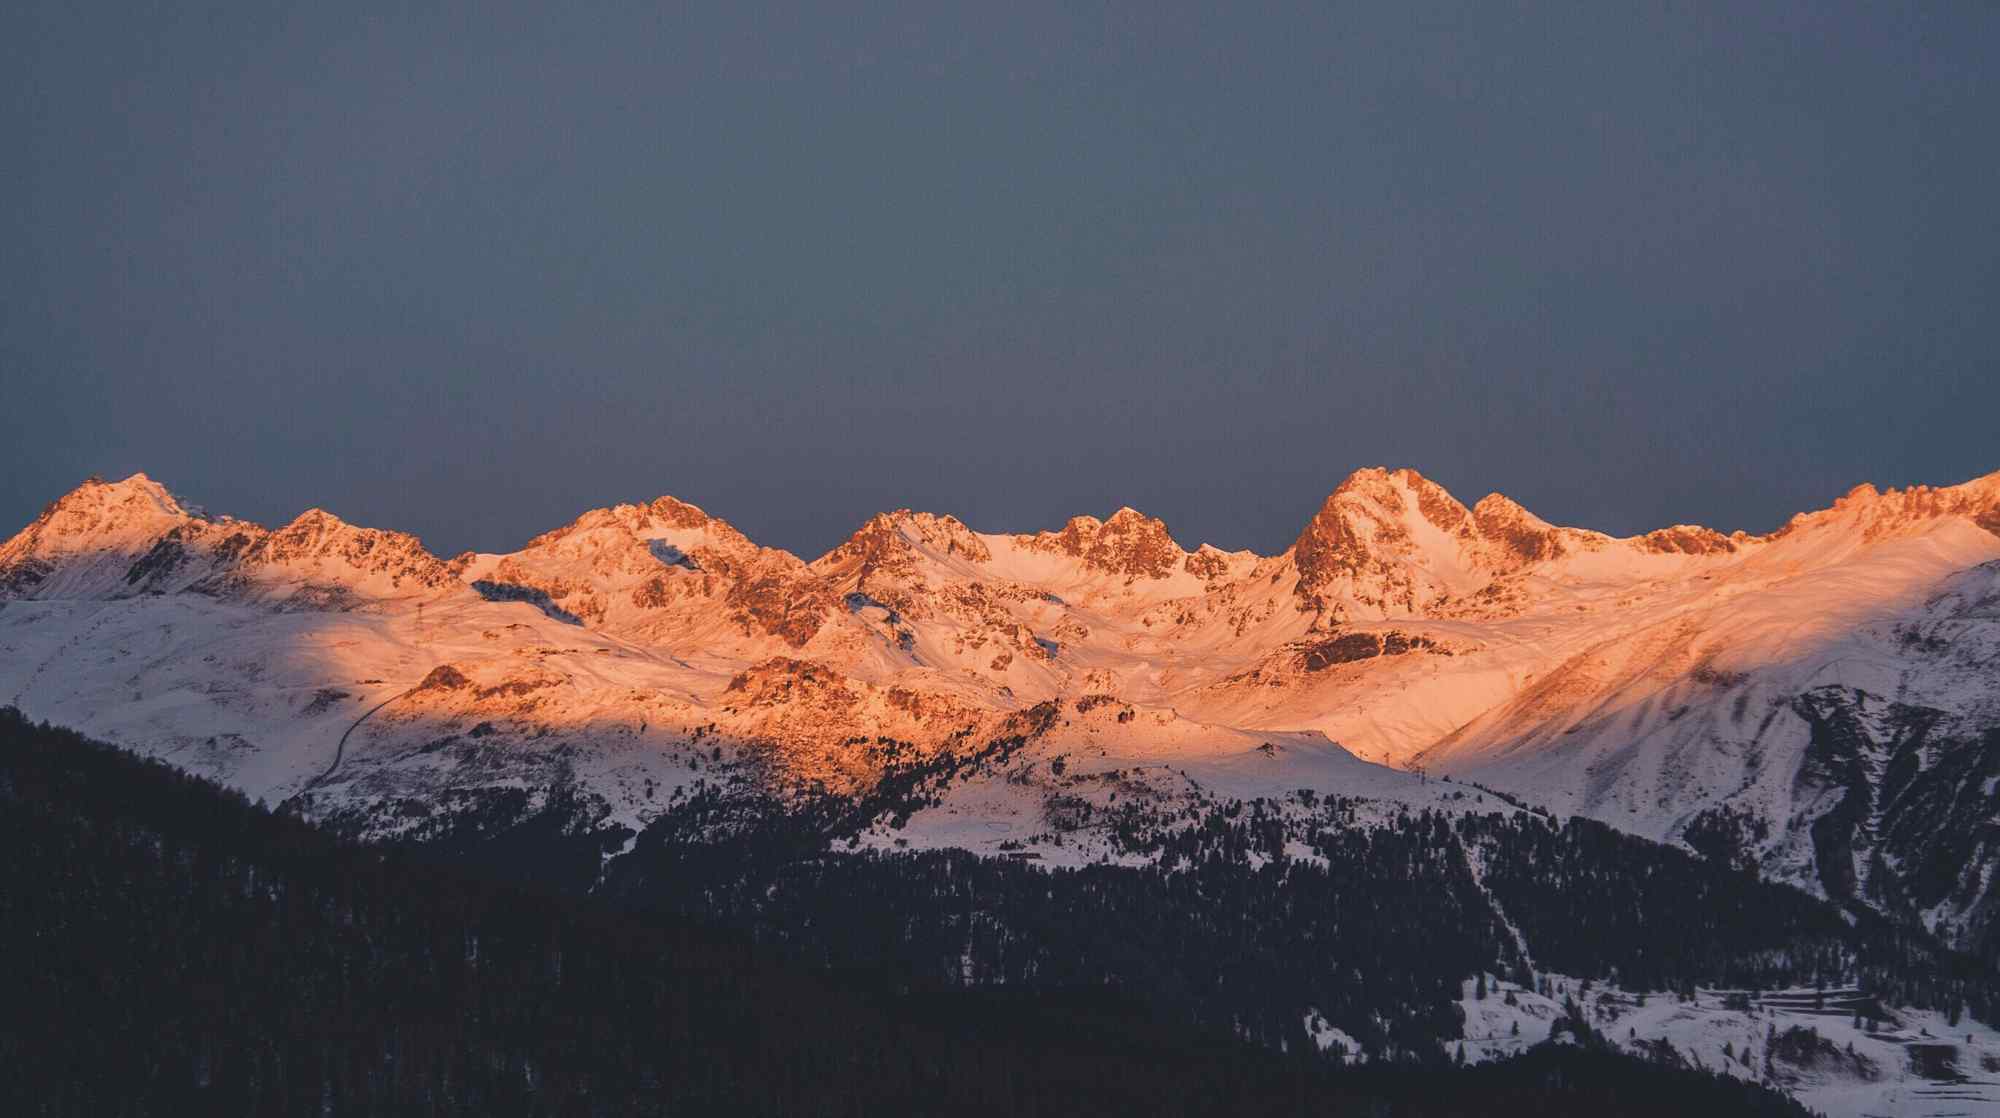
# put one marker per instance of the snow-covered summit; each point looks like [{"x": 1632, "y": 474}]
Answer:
[{"x": 1685, "y": 684}]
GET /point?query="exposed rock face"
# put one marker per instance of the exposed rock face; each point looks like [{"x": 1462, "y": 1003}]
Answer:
[
  {"x": 785, "y": 603},
  {"x": 1349, "y": 648},
  {"x": 1206, "y": 563},
  {"x": 888, "y": 548},
  {"x": 1387, "y": 544},
  {"x": 1130, "y": 544},
  {"x": 1438, "y": 506},
  {"x": 1722, "y": 690},
  {"x": 1520, "y": 534},
  {"x": 1339, "y": 546},
  {"x": 780, "y": 681},
  {"x": 679, "y": 514},
  {"x": 1874, "y": 514},
  {"x": 444, "y": 677},
  {"x": 1686, "y": 539},
  {"x": 1989, "y": 519},
  {"x": 323, "y": 542}
]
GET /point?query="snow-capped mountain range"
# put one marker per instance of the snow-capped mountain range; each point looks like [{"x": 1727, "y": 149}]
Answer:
[{"x": 1823, "y": 700}]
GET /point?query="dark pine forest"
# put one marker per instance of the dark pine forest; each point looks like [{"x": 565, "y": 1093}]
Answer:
[{"x": 171, "y": 948}]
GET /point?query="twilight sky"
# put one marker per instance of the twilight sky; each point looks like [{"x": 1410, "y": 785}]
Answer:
[{"x": 469, "y": 271}]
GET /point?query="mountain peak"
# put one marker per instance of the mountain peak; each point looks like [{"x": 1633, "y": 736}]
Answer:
[
  {"x": 678, "y": 513},
  {"x": 100, "y": 514},
  {"x": 317, "y": 537},
  {"x": 136, "y": 492},
  {"x": 1130, "y": 543},
  {"x": 1395, "y": 541},
  {"x": 888, "y": 543},
  {"x": 1368, "y": 481},
  {"x": 662, "y": 516},
  {"x": 1365, "y": 514},
  {"x": 1392, "y": 493},
  {"x": 316, "y": 519},
  {"x": 1862, "y": 494}
]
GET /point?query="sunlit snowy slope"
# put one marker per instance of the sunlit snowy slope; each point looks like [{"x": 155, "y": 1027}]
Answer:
[{"x": 1823, "y": 700}]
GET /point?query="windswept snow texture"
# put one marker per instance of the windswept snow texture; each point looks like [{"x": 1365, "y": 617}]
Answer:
[{"x": 1822, "y": 702}]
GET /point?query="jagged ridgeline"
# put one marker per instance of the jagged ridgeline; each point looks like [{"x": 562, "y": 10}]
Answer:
[
  {"x": 1818, "y": 701},
  {"x": 167, "y": 947}
]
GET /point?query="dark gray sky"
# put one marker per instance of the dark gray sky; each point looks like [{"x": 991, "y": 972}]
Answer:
[{"x": 472, "y": 270}]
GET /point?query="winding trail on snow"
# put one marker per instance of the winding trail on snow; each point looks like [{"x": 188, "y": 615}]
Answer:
[{"x": 340, "y": 749}]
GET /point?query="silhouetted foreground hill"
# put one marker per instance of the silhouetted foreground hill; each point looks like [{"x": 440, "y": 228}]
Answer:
[{"x": 167, "y": 947}]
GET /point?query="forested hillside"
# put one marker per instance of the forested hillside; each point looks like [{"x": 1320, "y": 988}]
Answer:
[
  {"x": 1259, "y": 916},
  {"x": 170, "y": 948}
]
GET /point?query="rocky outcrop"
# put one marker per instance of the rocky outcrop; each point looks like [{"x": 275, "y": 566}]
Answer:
[
  {"x": 1206, "y": 563},
  {"x": 1519, "y": 535},
  {"x": 1382, "y": 544},
  {"x": 892, "y": 547},
  {"x": 320, "y": 542},
  {"x": 1348, "y": 648},
  {"x": 1131, "y": 545},
  {"x": 1688, "y": 539},
  {"x": 1873, "y": 514}
]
